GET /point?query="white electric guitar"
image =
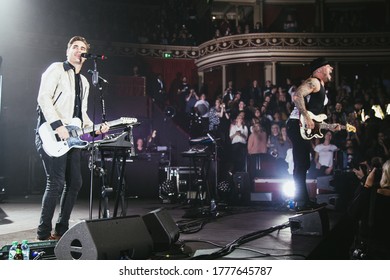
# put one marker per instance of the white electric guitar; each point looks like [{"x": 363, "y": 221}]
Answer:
[
  {"x": 319, "y": 124},
  {"x": 56, "y": 147}
]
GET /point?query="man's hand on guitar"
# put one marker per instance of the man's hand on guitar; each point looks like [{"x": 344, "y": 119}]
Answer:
[
  {"x": 62, "y": 132},
  {"x": 309, "y": 123},
  {"x": 103, "y": 129},
  {"x": 335, "y": 127}
]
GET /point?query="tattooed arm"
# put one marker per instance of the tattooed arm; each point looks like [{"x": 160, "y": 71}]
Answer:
[{"x": 307, "y": 87}]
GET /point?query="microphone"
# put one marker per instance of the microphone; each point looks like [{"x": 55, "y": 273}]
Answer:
[
  {"x": 100, "y": 78},
  {"x": 94, "y": 56}
]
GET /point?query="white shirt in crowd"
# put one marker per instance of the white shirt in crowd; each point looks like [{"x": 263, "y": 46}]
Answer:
[{"x": 325, "y": 154}]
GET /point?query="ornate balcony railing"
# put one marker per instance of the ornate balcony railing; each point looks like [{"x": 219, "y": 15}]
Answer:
[
  {"x": 272, "y": 47},
  {"x": 288, "y": 47}
]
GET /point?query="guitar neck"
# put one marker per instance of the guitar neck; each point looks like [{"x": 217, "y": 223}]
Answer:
[
  {"x": 89, "y": 129},
  {"x": 330, "y": 126},
  {"x": 95, "y": 127}
]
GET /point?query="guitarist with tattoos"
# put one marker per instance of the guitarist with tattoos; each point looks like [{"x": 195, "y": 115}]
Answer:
[{"x": 310, "y": 97}]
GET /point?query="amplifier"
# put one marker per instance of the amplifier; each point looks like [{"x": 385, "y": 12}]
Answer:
[{"x": 181, "y": 176}]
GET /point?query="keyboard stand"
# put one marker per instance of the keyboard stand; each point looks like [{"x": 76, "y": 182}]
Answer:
[{"x": 116, "y": 149}]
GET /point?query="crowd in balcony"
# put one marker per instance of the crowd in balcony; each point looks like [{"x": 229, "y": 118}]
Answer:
[{"x": 174, "y": 22}]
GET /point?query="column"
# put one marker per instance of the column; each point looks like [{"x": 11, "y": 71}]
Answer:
[
  {"x": 319, "y": 10},
  {"x": 223, "y": 78},
  {"x": 257, "y": 13},
  {"x": 268, "y": 71},
  {"x": 274, "y": 80},
  {"x": 200, "y": 80}
]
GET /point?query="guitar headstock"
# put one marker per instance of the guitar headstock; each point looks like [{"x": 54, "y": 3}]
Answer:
[
  {"x": 126, "y": 120},
  {"x": 350, "y": 128}
]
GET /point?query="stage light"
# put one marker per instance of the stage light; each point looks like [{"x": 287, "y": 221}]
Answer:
[
  {"x": 288, "y": 189},
  {"x": 388, "y": 109}
]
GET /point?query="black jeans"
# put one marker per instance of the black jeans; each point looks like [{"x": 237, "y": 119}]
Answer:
[
  {"x": 301, "y": 157},
  {"x": 63, "y": 179}
]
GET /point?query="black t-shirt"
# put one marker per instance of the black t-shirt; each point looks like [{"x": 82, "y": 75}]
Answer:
[
  {"x": 316, "y": 101},
  {"x": 77, "y": 100}
]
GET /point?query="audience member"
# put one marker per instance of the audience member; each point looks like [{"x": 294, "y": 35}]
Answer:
[
  {"x": 283, "y": 144},
  {"x": 202, "y": 109},
  {"x": 267, "y": 88},
  {"x": 290, "y": 24},
  {"x": 251, "y": 107},
  {"x": 215, "y": 114},
  {"x": 190, "y": 101},
  {"x": 225, "y": 27},
  {"x": 368, "y": 212},
  {"x": 241, "y": 108},
  {"x": 140, "y": 148},
  {"x": 258, "y": 28},
  {"x": 217, "y": 34},
  {"x": 228, "y": 95},
  {"x": 273, "y": 139},
  {"x": 290, "y": 87},
  {"x": 255, "y": 93},
  {"x": 349, "y": 157},
  {"x": 257, "y": 140},
  {"x": 324, "y": 155},
  {"x": 379, "y": 147},
  {"x": 247, "y": 29},
  {"x": 238, "y": 135},
  {"x": 183, "y": 92},
  {"x": 152, "y": 142},
  {"x": 159, "y": 92}
]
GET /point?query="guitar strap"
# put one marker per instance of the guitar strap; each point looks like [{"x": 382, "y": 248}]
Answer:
[
  {"x": 41, "y": 117},
  {"x": 40, "y": 121}
]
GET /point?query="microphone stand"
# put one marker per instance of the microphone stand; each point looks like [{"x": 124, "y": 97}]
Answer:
[{"x": 96, "y": 84}]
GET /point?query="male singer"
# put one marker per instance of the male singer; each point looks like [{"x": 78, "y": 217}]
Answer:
[{"x": 63, "y": 96}]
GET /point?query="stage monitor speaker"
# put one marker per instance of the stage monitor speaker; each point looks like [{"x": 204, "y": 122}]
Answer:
[
  {"x": 106, "y": 239},
  {"x": 313, "y": 223},
  {"x": 162, "y": 229}
]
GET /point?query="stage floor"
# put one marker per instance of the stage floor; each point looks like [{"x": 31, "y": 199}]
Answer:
[{"x": 201, "y": 233}]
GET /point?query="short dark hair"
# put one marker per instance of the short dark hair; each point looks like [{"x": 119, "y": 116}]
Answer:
[{"x": 78, "y": 38}]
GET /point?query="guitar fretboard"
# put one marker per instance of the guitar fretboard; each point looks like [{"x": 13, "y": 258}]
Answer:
[{"x": 330, "y": 126}]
